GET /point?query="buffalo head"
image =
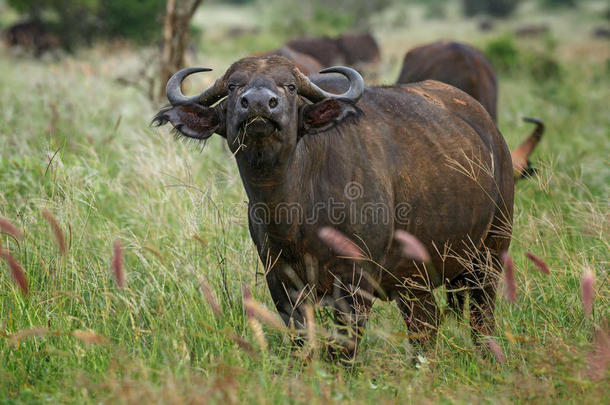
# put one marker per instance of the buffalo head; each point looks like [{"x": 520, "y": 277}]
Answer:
[{"x": 262, "y": 106}]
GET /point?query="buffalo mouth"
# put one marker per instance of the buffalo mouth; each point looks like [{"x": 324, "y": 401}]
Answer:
[{"x": 259, "y": 125}]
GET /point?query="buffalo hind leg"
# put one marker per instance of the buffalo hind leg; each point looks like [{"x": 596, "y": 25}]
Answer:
[
  {"x": 420, "y": 313},
  {"x": 456, "y": 295},
  {"x": 482, "y": 286}
]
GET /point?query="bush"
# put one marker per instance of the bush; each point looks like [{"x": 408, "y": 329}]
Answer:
[
  {"x": 77, "y": 21},
  {"x": 138, "y": 20},
  {"x": 436, "y": 9},
  {"x": 321, "y": 17},
  {"x": 496, "y": 8},
  {"x": 505, "y": 57},
  {"x": 542, "y": 66},
  {"x": 502, "y": 53}
]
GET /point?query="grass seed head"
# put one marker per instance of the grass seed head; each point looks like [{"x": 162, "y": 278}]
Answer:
[
  {"x": 7, "y": 227},
  {"x": 495, "y": 348},
  {"x": 89, "y": 337},
  {"x": 209, "y": 297},
  {"x": 412, "y": 248},
  {"x": 538, "y": 262},
  {"x": 340, "y": 243},
  {"x": 117, "y": 264},
  {"x": 23, "y": 334},
  {"x": 587, "y": 287},
  {"x": 57, "y": 231},
  {"x": 17, "y": 271}
]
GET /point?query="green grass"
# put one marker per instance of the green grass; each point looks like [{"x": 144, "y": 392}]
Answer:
[{"x": 113, "y": 177}]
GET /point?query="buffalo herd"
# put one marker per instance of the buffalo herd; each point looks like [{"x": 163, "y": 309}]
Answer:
[{"x": 338, "y": 172}]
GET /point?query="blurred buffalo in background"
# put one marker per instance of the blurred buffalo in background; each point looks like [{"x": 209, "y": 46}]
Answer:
[
  {"x": 31, "y": 35},
  {"x": 460, "y": 65},
  {"x": 359, "y": 51},
  {"x": 532, "y": 30},
  {"x": 305, "y": 63}
]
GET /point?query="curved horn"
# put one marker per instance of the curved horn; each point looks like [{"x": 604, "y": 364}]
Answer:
[
  {"x": 174, "y": 92},
  {"x": 310, "y": 90}
]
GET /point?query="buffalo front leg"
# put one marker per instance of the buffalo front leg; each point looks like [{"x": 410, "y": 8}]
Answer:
[
  {"x": 352, "y": 302},
  {"x": 288, "y": 301},
  {"x": 420, "y": 313}
]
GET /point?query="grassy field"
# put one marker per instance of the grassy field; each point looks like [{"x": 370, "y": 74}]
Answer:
[{"x": 76, "y": 142}]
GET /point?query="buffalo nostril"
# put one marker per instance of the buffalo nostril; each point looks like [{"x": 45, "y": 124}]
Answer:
[
  {"x": 273, "y": 102},
  {"x": 244, "y": 102}
]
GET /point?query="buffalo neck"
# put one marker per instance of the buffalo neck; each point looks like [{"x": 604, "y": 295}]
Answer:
[{"x": 274, "y": 184}]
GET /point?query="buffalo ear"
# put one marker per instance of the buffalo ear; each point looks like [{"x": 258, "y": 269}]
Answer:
[
  {"x": 328, "y": 113},
  {"x": 193, "y": 120}
]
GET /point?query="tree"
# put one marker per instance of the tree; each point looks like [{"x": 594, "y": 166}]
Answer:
[{"x": 178, "y": 15}]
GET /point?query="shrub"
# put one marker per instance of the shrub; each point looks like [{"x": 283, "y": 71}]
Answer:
[
  {"x": 436, "y": 9},
  {"x": 138, "y": 20},
  {"x": 505, "y": 57},
  {"x": 318, "y": 17},
  {"x": 542, "y": 66},
  {"x": 77, "y": 21},
  {"x": 502, "y": 53}
]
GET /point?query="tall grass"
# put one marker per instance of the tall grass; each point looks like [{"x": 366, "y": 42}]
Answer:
[{"x": 74, "y": 142}]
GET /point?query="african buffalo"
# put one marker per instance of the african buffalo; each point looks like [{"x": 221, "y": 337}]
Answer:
[
  {"x": 356, "y": 50},
  {"x": 425, "y": 158},
  {"x": 465, "y": 67},
  {"x": 305, "y": 63},
  {"x": 32, "y": 35}
]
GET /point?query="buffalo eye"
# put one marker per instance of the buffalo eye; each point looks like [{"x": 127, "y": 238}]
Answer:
[
  {"x": 232, "y": 86},
  {"x": 291, "y": 87}
]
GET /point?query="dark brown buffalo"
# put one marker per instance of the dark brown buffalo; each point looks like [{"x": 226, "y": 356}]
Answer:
[
  {"x": 305, "y": 63},
  {"x": 460, "y": 65},
  {"x": 356, "y": 50},
  {"x": 31, "y": 35},
  {"x": 601, "y": 32},
  {"x": 465, "y": 67},
  {"x": 532, "y": 30},
  {"x": 425, "y": 158}
]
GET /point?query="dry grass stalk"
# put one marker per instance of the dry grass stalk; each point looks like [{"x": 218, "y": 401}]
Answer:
[
  {"x": 57, "y": 231},
  {"x": 17, "y": 272},
  {"x": 117, "y": 264},
  {"x": 7, "y": 227},
  {"x": 155, "y": 252},
  {"x": 312, "y": 343},
  {"x": 510, "y": 288},
  {"x": 200, "y": 240}
]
